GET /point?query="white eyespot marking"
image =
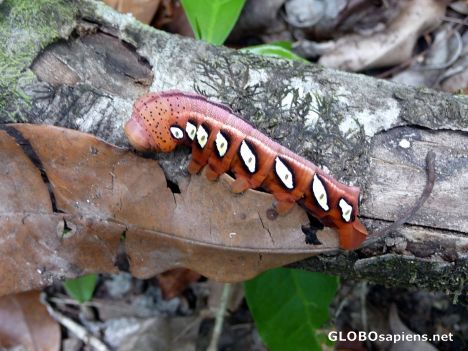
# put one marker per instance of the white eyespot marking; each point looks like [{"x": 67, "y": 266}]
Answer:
[
  {"x": 177, "y": 132},
  {"x": 248, "y": 157},
  {"x": 346, "y": 210},
  {"x": 284, "y": 174},
  {"x": 320, "y": 193},
  {"x": 202, "y": 136},
  {"x": 221, "y": 144},
  {"x": 191, "y": 130}
]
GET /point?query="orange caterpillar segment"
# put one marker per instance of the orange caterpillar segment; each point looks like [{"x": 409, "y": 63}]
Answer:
[{"x": 224, "y": 142}]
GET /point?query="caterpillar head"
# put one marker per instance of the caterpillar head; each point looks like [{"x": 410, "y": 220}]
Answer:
[
  {"x": 137, "y": 135},
  {"x": 153, "y": 126}
]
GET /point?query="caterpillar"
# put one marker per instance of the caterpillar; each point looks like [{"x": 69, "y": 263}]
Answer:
[{"x": 224, "y": 142}]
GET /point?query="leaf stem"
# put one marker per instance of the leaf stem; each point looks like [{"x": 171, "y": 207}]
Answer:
[{"x": 220, "y": 317}]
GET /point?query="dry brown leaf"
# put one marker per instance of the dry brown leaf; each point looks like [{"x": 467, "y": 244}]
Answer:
[
  {"x": 102, "y": 193},
  {"x": 174, "y": 281},
  {"x": 456, "y": 77},
  {"x": 157, "y": 333},
  {"x": 444, "y": 58},
  {"x": 25, "y": 322},
  {"x": 393, "y": 45},
  {"x": 171, "y": 18},
  {"x": 142, "y": 10},
  {"x": 460, "y": 6}
]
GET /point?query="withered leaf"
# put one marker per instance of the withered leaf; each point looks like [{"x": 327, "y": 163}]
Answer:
[
  {"x": 176, "y": 280},
  {"x": 391, "y": 46},
  {"x": 25, "y": 322},
  {"x": 102, "y": 197},
  {"x": 142, "y": 10}
]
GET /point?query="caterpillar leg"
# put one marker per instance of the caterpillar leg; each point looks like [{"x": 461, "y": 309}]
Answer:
[
  {"x": 211, "y": 174},
  {"x": 199, "y": 159},
  {"x": 284, "y": 203},
  {"x": 240, "y": 185},
  {"x": 194, "y": 167},
  {"x": 283, "y": 207}
]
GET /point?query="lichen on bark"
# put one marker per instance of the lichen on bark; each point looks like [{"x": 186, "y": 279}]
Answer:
[{"x": 26, "y": 28}]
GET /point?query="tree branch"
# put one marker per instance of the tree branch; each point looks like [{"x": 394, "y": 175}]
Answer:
[{"x": 81, "y": 66}]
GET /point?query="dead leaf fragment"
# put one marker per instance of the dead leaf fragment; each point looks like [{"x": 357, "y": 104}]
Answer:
[
  {"x": 142, "y": 10},
  {"x": 26, "y": 323},
  {"x": 460, "y": 6},
  {"x": 82, "y": 200},
  {"x": 443, "y": 59},
  {"x": 455, "y": 79},
  {"x": 174, "y": 281},
  {"x": 171, "y": 18},
  {"x": 391, "y": 46},
  {"x": 157, "y": 333}
]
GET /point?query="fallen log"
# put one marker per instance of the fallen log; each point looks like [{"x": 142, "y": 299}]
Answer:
[{"x": 80, "y": 65}]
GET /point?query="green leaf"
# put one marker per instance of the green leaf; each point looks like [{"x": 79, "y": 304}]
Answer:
[
  {"x": 82, "y": 288},
  {"x": 212, "y": 20},
  {"x": 288, "y": 305},
  {"x": 280, "y": 49},
  {"x": 285, "y": 44}
]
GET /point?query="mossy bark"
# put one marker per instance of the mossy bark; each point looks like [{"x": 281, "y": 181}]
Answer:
[
  {"x": 81, "y": 65},
  {"x": 27, "y": 27}
]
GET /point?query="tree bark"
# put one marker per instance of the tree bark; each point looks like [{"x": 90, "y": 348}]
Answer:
[{"x": 81, "y": 65}]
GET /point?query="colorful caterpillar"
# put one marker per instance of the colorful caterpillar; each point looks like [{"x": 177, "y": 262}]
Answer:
[{"x": 225, "y": 142}]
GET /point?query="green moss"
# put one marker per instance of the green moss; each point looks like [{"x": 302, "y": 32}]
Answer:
[{"x": 26, "y": 28}]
